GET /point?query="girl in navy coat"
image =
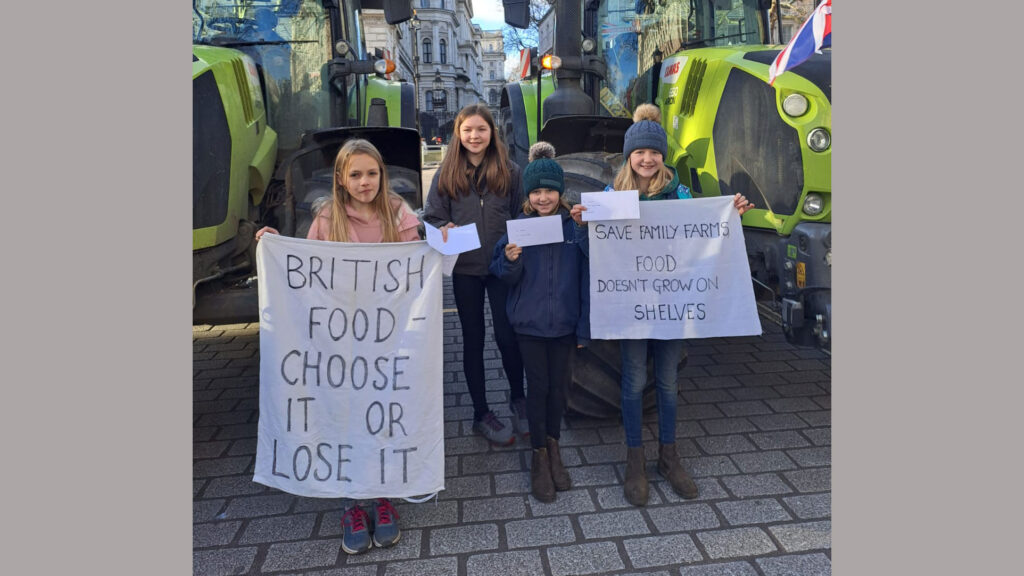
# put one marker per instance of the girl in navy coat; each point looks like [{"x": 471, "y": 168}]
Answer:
[{"x": 548, "y": 309}]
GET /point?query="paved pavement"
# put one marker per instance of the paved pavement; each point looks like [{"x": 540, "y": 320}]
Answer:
[{"x": 754, "y": 427}]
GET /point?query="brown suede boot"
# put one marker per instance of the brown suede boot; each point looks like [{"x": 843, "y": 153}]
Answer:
[
  {"x": 541, "y": 485},
  {"x": 670, "y": 467},
  {"x": 559, "y": 475},
  {"x": 636, "y": 487}
]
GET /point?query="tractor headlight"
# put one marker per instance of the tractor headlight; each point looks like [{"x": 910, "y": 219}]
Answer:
[
  {"x": 819, "y": 140},
  {"x": 794, "y": 105},
  {"x": 813, "y": 204}
]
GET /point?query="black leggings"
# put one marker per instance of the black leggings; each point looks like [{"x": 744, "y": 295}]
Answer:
[
  {"x": 547, "y": 376},
  {"x": 469, "y": 300}
]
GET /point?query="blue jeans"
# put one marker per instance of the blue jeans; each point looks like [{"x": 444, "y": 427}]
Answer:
[{"x": 667, "y": 354}]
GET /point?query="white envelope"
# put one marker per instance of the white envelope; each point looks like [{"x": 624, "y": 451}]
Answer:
[
  {"x": 535, "y": 231},
  {"x": 460, "y": 239},
  {"x": 611, "y": 205}
]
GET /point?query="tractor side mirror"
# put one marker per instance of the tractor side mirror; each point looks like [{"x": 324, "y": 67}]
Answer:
[
  {"x": 517, "y": 13},
  {"x": 397, "y": 11}
]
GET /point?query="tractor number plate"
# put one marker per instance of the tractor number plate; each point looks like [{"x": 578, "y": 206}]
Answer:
[{"x": 801, "y": 275}]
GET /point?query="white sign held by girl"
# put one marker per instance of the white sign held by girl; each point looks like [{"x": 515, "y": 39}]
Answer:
[
  {"x": 679, "y": 271},
  {"x": 350, "y": 368}
]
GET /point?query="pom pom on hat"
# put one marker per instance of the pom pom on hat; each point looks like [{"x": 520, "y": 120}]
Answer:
[
  {"x": 543, "y": 171},
  {"x": 646, "y": 131}
]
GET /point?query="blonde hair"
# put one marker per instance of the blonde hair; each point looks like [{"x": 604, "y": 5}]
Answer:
[
  {"x": 453, "y": 177},
  {"x": 627, "y": 179},
  {"x": 382, "y": 203}
]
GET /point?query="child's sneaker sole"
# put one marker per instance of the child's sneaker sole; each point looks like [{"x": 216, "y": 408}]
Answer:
[{"x": 379, "y": 545}]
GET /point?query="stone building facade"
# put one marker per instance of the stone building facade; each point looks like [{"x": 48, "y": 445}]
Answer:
[
  {"x": 440, "y": 46},
  {"x": 493, "y": 44}
]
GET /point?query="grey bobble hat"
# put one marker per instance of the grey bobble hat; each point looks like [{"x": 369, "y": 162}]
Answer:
[
  {"x": 543, "y": 171},
  {"x": 646, "y": 131}
]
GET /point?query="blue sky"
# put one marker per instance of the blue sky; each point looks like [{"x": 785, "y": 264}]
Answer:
[{"x": 488, "y": 14}]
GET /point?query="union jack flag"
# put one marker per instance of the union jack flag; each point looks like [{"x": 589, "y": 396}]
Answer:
[{"x": 813, "y": 35}]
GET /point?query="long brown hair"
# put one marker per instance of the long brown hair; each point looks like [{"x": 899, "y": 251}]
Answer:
[
  {"x": 382, "y": 203},
  {"x": 454, "y": 176}
]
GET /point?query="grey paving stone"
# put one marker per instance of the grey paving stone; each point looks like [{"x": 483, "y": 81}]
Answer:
[
  {"x": 206, "y": 510},
  {"x": 722, "y": 569},
  {"x": 727, "y": 369},
  {"x": 683, "y": 517},
  {"x": 208, "y": 449},
  {"x": 578, "y": 437},
  {"x": 767, "y": 367},
  {"x": 770, "y": 422},
  {"x": 430, "y": 567},
  {"x": 792, "y": 404},
  {"x": 761, "y": 379},
  {"x": 753, "y": 393},
  {"x": 808, "y": 457},
  {"x": 351, "y": 571},
  {"x": 705, "y": 396},
  {"x": 699, "y": 412},
  {"x": 220, "y": 466},
  {"x": 488, "y": 463},
  {"x": 746, "y": 407},
  {"x": 570, "y": 457},
  {"x": 809, "y": 364},
  {"x": 253, "y": 506},
  {"x": 763, "y": 511},
  {"x": 600, "y": 475},
  {"x": 810, "y": 506},
  {"x": 728, "y": 444},
  {"x": 460, "y": 539},
  {"x": 523, "y": 563},
  {"x": 512, "y": 483},
  {"x": 802, "y": 564},
  {"x": 451, "y": 467},
  {"x": 233, "y": 486},
  {"x": 593, "y": 558},
  {"x": 807, "y": 388},
  {"x": 494, "y": 509},
  {"x": 466, "y": 487},
  {"x": 714, "y": 382},
  {"x": 756, "y": 485},
  {"x": 408, "y": 547},
  {"x": 612, "y": 524},
  {"x": 736, "y": 542},
  {"x": 222, "y": 562},
  {"x": 213, "y": 534},
  {"x": 813, "y": 480},
  {"x": 466, "y": 445},
  {"x": 707, "y": 489},
  {"x": 710, "y": 466},
  {"x": 662, "y": 551},
  {"x": 612, "y": 497},
  {"x": 818, "y": 418},
  {"x": 689, "y": 429},
  {"x": 303, "y": 554},
  {"x": 804, "y": 536},
  {"x": 539, "y": 532},
  {"x": 719, "y": 426},
  {"x": 278, "y": 529},
  {"x": 574, "y": 501},
  {"x": 425, "y": 514},
  {"x": 779, "y": 440},
  {"x": 318, "y": 505},
  {"x": 766, "y": 461},
  {"x": 604, "y": 454}
]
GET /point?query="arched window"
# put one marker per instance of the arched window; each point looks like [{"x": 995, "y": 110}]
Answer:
[
  {"x": 442, "y": 50},
  {"x": 426, "y": 51},
  {"x": 440, "y": 100}
]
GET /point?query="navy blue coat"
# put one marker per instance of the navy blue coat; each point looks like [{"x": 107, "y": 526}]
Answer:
[{"x": 550, "y": 288}]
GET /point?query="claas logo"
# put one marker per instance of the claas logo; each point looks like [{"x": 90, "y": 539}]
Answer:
[{"x": 673, "y": 69}]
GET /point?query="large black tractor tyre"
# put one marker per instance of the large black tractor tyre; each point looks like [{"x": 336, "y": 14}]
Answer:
[{"x": 595, "y": 388}]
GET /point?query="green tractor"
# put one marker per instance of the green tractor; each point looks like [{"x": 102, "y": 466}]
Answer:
[
  {"x": 704, "y": 63},
  {"x": 277, "y": 88}
]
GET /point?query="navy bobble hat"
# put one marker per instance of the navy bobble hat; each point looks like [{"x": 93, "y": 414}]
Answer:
[
  {"x": 646, "y": 131},
  {"x": 543, "y": 171}
]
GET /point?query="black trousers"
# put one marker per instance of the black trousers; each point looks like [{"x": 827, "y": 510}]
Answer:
[
  {"x": 547, "y": 377},
  {"x": 469, "y": 301}
]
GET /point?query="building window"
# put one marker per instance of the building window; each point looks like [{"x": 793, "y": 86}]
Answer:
[
  {"x": 493, "y": 97},
  {"x": 440, "y": 100},
  {"x": 425, "y": 4},
  {"x": 493, "y": 74},
  {"x": 442, "y": 4},
  {"x": 429, "y": 102},
  {"x": 442, "y": 50},
  {"x": 426, "y": 51}
]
